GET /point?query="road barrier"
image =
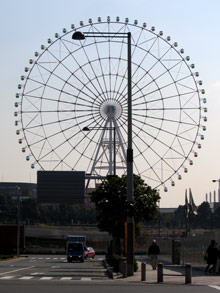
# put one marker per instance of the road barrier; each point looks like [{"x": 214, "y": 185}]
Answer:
[{"x": 188, "y": 273}]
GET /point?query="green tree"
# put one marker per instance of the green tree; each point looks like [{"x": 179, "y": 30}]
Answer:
[
  {"x": 112, "y": 207},
  {"x": 8, "y": 209},
  {"x": 180, "y": 217},
  {"x": 30, "y": 210},
  {"x": 205, "y": 217},
  {"x": 217, "y": 218}
]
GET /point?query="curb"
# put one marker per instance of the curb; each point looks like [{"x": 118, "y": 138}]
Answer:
[{"x": 111, "y": 272}]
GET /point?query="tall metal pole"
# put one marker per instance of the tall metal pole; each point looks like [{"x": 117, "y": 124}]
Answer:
[
  {"x": 18, "y": 220},
  {"x": 130, "y": 220},
  {"x": 114, "y": 150},
  {"x": 130, "y": 196}
]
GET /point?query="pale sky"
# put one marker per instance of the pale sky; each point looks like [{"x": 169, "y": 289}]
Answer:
[{"x": 195, "y": 25}]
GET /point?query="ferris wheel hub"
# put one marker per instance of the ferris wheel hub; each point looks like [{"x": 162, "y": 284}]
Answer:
[{"x": 111, "y": 110}]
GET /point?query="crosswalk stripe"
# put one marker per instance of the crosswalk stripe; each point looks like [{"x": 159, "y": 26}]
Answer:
[
  {"x": 86, "y": 279},
  {"x": 66, "y": 278},
  {"x": 6, "y": 277},
  {"x": 46, "y": 278},
  {"x": 215, "y": 287},
  {"x": 26, "y": 278}
]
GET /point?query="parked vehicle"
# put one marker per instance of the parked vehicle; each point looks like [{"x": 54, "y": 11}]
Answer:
[
  {"x": 76, "y": 248},
  {"x": 90, "y": 252}
]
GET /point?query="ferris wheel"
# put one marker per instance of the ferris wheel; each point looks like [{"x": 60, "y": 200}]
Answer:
[{"x": 72, "y": 106}]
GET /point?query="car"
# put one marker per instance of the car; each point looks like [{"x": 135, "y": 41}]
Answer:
[{"x": 90, "y": 252}]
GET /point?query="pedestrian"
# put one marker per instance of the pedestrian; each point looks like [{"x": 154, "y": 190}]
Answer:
[
  {"x": 212, "y": 254},
  {"x": 153, "y": 252}
]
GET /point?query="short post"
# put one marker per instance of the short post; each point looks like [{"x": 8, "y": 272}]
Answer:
[
  {"x": 188, "y": 273},
  {"x": 143, "y": 272},
  {"x": 123, "y": 268},
  {"x": 160, "y": 273}
]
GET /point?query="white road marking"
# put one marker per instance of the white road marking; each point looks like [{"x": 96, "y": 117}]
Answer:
[
  {"x": 55, "y": 258},
  {"x": 55, "y": 267},
  {"x": 26, "y": 278},
  {"x": 46, "y": 278},
  {"x": 66, "y": 278},
  {"x": 37, "y": 273},
  {"x": 16, "y": 270},
  {"x": 86, "y": 279},
  {"x": 47, "y": 257},
  {"x": 215, "y": 287},
  {"x": 6, "y": 277}
]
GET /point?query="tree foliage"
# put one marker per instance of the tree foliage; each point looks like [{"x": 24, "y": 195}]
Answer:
[
  {"x": 112, "y": 207},
  {"x": 33, "y": 212}
]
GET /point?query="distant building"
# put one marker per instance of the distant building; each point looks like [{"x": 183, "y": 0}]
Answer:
[
  {"x": 214, "y": 206},
  {"x": 168, "y": 210},
  {"x": 25, "y": 190}
]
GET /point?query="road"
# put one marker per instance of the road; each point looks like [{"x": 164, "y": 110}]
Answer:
[
  {"x": 52, "y": 274},
  {"x": 49, "y": 267}
]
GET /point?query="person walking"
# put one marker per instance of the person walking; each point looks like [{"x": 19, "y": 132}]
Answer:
[
  {"x": 212, "y": 255},
  {"x": 153, "y": 252}
]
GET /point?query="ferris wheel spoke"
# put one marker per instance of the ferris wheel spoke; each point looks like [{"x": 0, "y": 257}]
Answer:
[
  {"x": 66, "y": 82},
  {"x": 135, "y": 114},
  {"x": 162, "y": 143},
  {"x": 120, "y": 58},
  {"x": 72, "y": 74},
  {"x": 56, "y": 89},
  {"x": 95, "y": 77},
  {"x": 101, "y": 67},
  {"x": 153, "y": 80},
  {"x": 29, "y": 97},
  {"x": 144, "y": 158},
  {"x": 156, "y": 153},
  {"x": 172, "y": 134},
  {"x": 139, "y": 65},
  {"x": 27, "y": 127},
  {"x": 58, "y": 132}
]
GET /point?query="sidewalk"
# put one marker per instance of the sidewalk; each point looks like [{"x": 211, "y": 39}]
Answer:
[{"x": 199, "y": 277}]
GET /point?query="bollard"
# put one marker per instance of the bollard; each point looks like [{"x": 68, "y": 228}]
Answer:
[
  {"x": 123, "y": 268},
  {"x": 160, "y": 273},
  {"x": 143, "y": 272},
  {"x": 188, "y": 273}
]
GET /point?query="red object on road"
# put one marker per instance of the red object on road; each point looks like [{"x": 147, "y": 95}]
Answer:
[{"x": 90, "y": 252}]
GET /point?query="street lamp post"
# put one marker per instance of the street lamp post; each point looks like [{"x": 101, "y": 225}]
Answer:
[
  {"x": 18, "y": 219},
  {"x": 130, "y": 220},
  {"x": 217, "y": 180}
]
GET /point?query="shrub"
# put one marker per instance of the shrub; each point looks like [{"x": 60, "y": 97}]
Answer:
[{"x": 114, "y": 259}]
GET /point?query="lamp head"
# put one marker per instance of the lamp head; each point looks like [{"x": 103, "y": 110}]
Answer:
[{"x": 78, "y": 36}]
